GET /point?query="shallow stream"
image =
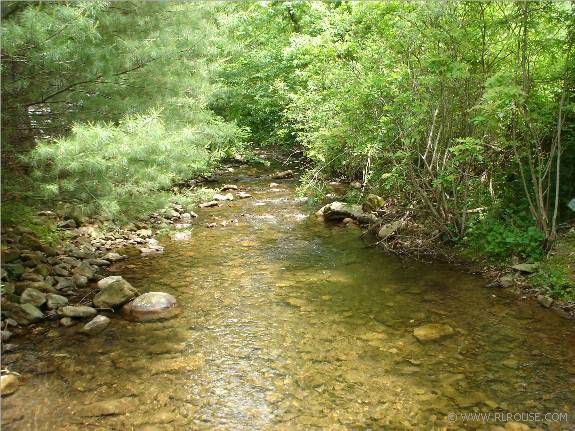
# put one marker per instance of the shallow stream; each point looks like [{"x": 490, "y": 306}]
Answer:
[{"x": 288, "y": 323}]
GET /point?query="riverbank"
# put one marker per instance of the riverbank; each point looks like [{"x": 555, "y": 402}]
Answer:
[{"x": 550, "y": 282}]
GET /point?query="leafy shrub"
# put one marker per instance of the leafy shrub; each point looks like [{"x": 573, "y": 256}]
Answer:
[
  {"x": 502, "y": 235},
  {"x": 555, "y": 279}
]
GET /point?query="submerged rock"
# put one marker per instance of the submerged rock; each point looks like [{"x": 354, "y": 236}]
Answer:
[
  {"x": 8, "y": 384},
  {"x": 433, "y": 332},
  {"x": 181, "y": 236},
  {"x": 115, "y": 294},
  {"x": 96, "y": 325},
  {"x": 151, "y": 306},
  {"x": 109, "y": 407}
]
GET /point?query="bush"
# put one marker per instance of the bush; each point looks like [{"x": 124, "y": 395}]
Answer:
[
  {"x": 500, "y": 236},
  {"x": 123, "y": 171}
]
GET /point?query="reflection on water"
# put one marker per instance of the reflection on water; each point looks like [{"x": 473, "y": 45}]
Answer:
[{"x": 289, "y": 324}]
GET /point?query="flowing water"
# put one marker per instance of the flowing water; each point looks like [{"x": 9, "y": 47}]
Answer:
[{"x": 289, "y": 323}]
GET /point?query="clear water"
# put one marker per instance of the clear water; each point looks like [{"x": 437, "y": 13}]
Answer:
[{"x": 291, "y": 324}]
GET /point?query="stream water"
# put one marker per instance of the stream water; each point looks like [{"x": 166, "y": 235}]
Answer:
[{"x": 289, "y": 323}]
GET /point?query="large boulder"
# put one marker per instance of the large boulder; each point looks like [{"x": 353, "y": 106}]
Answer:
[
  {"x": 115, "y": 294},
  {"x": 433, "y": 332},
  {"x": 151, "y": 306}
]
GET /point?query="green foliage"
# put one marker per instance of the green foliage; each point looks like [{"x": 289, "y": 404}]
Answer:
[
  {"x": 108, "y": 103},
  {"x": 65, "y": 63},
  {"x": 557, "y": 271},
  {"x": 426, "y": 101},
  {"x": 509, "y": 233},
  {"x": 556, "y": 280},
  {"x": 122, "y": 170}
]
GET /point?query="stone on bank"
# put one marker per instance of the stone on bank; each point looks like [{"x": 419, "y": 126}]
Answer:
[{"x": 115, "y": 294}]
